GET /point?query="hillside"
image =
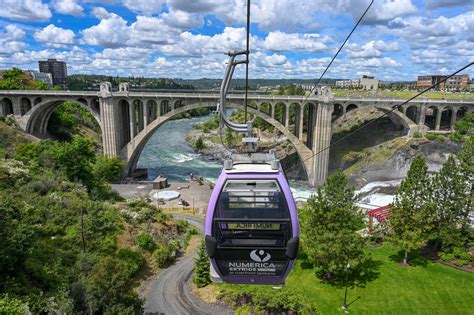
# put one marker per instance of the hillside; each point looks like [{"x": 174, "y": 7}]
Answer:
[{"x": 69, "y": 244}]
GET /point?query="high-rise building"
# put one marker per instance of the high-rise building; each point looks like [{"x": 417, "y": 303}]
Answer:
[{"x": 57, "y": 69}]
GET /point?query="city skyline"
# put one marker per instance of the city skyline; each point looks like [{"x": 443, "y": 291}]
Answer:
[{"x": 399, "y": 40}]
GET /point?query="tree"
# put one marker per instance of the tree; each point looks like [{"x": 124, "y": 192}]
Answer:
[
  {"x": 409, "y": 219},
  {"x": 199, "y": 144},
  {"x": 16, "y": 79},
  {"x": 449, "y": 210},
  {"x": 107, "y": 169},
  {"x": 76, "y": 158},
  {"x": 330, "y": 221},
  {"x": 201, "y": 267}
]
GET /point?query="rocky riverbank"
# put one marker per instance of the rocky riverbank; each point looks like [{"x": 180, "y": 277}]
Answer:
[{"x": 378, "y": 154}]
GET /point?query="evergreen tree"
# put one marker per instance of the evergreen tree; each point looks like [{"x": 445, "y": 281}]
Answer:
[
  {"x": 201, "y": 267},
  {"x": 449, "y": 211},
  {"x": 330, "y": 221},
  {"x": 409, "y": 218},
  {"x": 199, "y": 144}
]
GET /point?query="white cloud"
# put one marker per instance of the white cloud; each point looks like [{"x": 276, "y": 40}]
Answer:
[
  {"x": 436, "y": 4},
  {"x": 198, "y": 45},
  {"x": 55, "y": 36},
  {"x": 68, "y": 7},
  {"x": 386, "y": 10},
  {"x": 11, "y": 40},
  {"x": 182, "y": 20},
  {"x": 146, "y": 7},
  {"x": 372, "y": 49},
  {"x": 294, "y": 42},
  {"x": 127, "y": 53},
  {"x": 25, "y": 10},
  {"x": 112, "y": 31},
  {"x": 101, "y": 13}
]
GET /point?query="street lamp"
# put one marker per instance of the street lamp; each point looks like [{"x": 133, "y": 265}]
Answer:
[{"x": 345, "y": 306}]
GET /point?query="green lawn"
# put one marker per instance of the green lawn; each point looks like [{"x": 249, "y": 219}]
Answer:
[
  {"x": 405, "y": 94},
  {"x": 428, "y": 288}
]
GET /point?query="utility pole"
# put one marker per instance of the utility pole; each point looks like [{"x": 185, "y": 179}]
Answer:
[{"x": 82, "y": 231}]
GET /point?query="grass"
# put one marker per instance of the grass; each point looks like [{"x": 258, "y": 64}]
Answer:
[
  {"x": 405, "y": 94},
  {"x": 426, "y": 288}
]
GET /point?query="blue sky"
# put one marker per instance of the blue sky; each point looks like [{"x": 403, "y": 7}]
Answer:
[{"x": 399, "y": 39}]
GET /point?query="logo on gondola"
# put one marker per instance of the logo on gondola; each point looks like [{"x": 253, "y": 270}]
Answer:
[{"x": 260, "y": 255}]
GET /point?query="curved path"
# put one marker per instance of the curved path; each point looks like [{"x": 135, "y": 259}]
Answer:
[{"x": 169, "y": 292}]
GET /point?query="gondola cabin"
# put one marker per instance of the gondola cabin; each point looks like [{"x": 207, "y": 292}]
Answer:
[{"x": 252, "y": 229}]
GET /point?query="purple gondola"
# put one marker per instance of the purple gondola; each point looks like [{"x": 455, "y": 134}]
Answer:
[{"x": 252, "y": 229}]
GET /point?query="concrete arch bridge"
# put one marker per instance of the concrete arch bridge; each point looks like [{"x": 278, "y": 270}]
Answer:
[{"x": 128, "y": 119}]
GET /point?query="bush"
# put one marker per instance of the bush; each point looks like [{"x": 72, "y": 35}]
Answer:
[
  {"x": 461, "y": 253},
  {"x": 9, "y": 305},
  {"x": 145, "y": 242},
  {"x": 133, "y": 259},
  {"x": 182, "y": 226},
  {"x": 433, "y": 136},
  {"x": 199, "y": 144},
  {"x": 461, "y": 263},
  {"x": 446, "y": 256},
  {"x": 417, "y": 134},
  {"x": 165, "y": 254}
]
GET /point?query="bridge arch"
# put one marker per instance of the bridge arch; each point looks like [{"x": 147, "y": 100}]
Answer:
[
  {"x": 7, "y": 106},
  {"x": 280, "y": 112},
  {"x": 337, "y": 112},
  {"x": 131, "y": 151},
  {"x": 412, "y": 113},
  {"x": 35, "y": 121},
  {"x": 25, "y": 105},
  {"x": 266, "y": 108},
  {"x": 396, "y": 117},
  {"x": 351, "y": 107}
]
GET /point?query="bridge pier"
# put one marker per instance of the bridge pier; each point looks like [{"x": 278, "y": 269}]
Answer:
[
  {"x": 454, "y": 114},
  {"x": 318, "y": 165},
  {"x": 439, "y": 112},
  {"x": 111, "y": 131}
]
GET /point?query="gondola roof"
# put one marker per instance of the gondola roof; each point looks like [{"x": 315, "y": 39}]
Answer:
[{"x": 251, "y": 168}]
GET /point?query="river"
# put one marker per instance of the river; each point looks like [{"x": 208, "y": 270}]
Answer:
[{"x": 168, "y": 153}]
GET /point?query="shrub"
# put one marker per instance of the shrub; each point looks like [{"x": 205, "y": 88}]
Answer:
[
  {"x": 461, "y": 263},
  {"x": 9, "y": 305},
  {"x": 165, "y": 254},
  {"x": 461, "y": 253},
  {"x": 433, "y": 136},
  {"x": 133, "y": 259},
  {"x": 446, "y": 256},
  {"x": 145, "y": 242},
  {"x": 417, "y": 134},
  {"x": 199, "y": 144},
  {"x": 182, "y": 225}
]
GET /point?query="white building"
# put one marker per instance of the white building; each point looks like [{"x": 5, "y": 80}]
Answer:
[
  {"x": 348, "y": 84},
  {"x": 366, "y": 83},
  {"x": 369, "y": 83},
  {"x": 40, "y": 76}
]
